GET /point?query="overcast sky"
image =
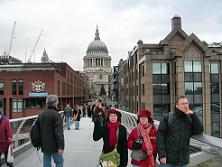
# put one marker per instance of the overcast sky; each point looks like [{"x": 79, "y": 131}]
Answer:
[{"x": 69, "y": 25}]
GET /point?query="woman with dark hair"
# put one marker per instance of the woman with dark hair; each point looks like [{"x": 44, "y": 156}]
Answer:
[
  {"x": 143, "y": 137},
  {"x": 114, "y": 135}
]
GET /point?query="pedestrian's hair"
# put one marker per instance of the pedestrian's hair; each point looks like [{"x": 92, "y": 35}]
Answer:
[
  {"x": 180, "y": 97},
  {"x": 52, "y": 101}
]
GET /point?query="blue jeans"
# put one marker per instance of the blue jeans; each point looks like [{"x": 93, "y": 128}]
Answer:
[
  {"x": 68, "y": 122},
  {"x": 77, "y": 124},
  {"x": 171, "y": 165},
  {"x": 57, "y": 158},
  {"x": 135, "y": 165}
]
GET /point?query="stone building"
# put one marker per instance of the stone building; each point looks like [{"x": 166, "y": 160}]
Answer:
[
  {"x": 97, "y": 65},
  {"x": 154, "y": 75}
]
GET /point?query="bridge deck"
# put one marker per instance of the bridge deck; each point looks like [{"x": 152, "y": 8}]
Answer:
[{"x": 80, "y": 149}]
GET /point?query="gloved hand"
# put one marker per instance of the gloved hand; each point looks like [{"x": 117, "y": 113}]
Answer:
[{"x": 137, "y": 145}]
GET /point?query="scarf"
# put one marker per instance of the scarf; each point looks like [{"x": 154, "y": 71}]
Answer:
[
  {"x": 112, "y": 133},
  {"x": 145, "y": 131}
]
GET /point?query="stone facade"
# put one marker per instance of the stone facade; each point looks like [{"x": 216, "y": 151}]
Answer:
[{"x": 154, "y": 75}]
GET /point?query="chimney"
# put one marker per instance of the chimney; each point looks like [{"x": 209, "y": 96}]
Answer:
[{"x": 176, "y": 22}]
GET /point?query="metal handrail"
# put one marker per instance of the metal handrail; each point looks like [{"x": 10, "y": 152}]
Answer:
[{"x": 21, "y": 128}]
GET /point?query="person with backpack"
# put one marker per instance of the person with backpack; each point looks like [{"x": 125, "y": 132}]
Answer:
[
  {"x": 5, "y": 137},
  {"x": 51, "y": 132},
  {"x": 142, "y": 141},
  {"x": 114, "y": 137},
  {"x": 174, "y": 132}
]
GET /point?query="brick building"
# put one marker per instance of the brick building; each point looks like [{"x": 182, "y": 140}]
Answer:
[
  {"x": 154, "y": 75},
  {"x": 24, "y": 86}
]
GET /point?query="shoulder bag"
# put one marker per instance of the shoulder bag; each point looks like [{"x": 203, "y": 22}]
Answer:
[{"x": 139, "y": 154}]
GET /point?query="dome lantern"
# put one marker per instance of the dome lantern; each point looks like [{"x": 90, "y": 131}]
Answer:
[{"x": 97, "y": 45}]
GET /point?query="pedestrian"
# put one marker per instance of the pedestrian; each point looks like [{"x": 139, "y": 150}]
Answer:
[
  {"x": 68, "y": 115},
  {"x": 174, "y": 132},
  {"x": 143, "y": 138},
  {"x": 5, "y": 137},
  {"x": 114, "y": 135},
  {"x": 77, "y": 115},
  {"x": 51, "y": 131}
]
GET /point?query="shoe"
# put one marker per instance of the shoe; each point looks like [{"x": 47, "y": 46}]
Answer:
[{"x": 68, "y": 128}]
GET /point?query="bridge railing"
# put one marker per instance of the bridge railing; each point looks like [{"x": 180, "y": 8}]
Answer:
[
  {"x": 205, "y": 150},
  {"x": 21, "y": 132}
]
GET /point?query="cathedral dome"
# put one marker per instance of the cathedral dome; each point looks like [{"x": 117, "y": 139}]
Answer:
[{"x": 97, "y": 45}]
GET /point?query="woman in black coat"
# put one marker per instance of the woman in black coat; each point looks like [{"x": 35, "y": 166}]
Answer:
[{"x": 108, "y": 132}]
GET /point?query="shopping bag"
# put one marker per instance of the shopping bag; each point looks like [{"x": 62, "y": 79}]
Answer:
[
  {"x": 10, "y": 157},
  {"x": 111, "y": 159}
]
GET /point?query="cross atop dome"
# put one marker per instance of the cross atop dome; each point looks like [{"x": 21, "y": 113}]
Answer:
[{"x": 97, "y": 33}]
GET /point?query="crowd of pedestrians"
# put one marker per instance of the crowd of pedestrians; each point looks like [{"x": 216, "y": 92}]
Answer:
[{"x": 170, "y": 141}]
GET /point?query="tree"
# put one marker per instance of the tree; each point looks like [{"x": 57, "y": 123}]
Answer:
[{"x": 102, "y": 91}]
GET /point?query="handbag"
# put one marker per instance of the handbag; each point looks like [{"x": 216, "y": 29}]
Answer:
[
  {"x": 139, "y": 154},
  {"x": 110, "y": 159},
  {"x": 10, "y": 157},
  {"x": 75, "y": 117}
]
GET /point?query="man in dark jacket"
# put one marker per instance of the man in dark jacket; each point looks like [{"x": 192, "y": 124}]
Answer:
[
  {"x": 51, "y": 130},
  {"x": 173, "y": 137}
]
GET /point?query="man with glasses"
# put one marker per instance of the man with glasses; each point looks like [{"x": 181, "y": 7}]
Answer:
[{"x": 174, "y": 132}]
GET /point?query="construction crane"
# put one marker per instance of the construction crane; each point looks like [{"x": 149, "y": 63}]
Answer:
[
  {"x": 11, "y": 40},
  {"x": 34, "y": 47}
]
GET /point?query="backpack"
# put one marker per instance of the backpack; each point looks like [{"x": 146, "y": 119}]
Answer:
[{"x": 35, "y": 135}]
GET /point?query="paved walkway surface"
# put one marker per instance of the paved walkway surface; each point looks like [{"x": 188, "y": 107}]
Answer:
[{"x": 80, "y": 149}]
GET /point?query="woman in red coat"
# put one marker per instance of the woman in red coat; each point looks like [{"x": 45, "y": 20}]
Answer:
[
  {"x": 5, "y": 136},
  {"x": 147, "y": 132}
]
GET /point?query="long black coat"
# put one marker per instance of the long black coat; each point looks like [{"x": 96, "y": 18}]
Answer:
[
  {"x": 79, "y": 112},
  {"x": 103, "y": 132},
  {"x": 51, "y": 130},
  {"x": 173, "y": 141}
]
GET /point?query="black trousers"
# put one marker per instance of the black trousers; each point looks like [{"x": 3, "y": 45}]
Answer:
[{"x": 5, "y": 155}]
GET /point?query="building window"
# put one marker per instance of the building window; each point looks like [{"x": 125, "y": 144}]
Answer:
[
  {"x": 59, "y": 87},
  {"x": 21, "y": 86},
  {"x": 193, "y": 86},
  {"x": 35, "y": 103},
  {"x": 1, "y": 87},
  {"x": 215, "y": 99},
  {"x": 161, "y": 89},
  {"x": 100, "y": 76},
  {"x": 17, "y": 105},
  {"x": 142, "y": 69},
  {"x": 143, "y": 89},
  {"x": 2, "y": 103},
  {"x": 14, "y": 87}
]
